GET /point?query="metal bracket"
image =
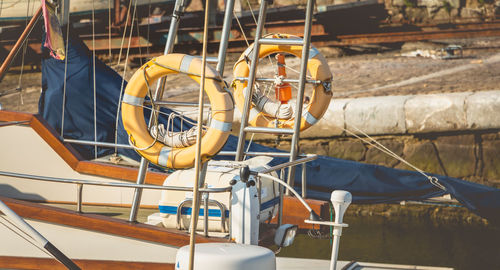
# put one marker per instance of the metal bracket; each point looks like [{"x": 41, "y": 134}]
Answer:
[{"x": 327, "y": 85}]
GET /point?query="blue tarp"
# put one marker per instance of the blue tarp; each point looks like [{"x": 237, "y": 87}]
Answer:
[{"x": 368, "y": 183}]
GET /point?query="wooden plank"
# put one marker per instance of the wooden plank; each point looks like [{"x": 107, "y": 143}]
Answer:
[
  {"x": 11, "y": 262},
  {"x": 8, "y": 116},
  {"x": 295, "y": 213},
  {"x": 103, "y": 224}
]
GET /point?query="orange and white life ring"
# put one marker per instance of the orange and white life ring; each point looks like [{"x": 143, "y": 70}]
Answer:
[
  {"x": 222, "y": 109},
  {"x": 318, "y": 69}
]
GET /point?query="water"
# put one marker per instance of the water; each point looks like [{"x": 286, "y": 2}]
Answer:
[{"x": 378, "y": 239}]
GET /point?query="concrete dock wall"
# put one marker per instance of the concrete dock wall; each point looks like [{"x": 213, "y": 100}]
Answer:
[{"x": 417, "y": 114}]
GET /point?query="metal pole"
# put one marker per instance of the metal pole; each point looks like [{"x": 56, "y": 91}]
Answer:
[
  {"x": 205, "y": 214},
  {"x": 79, "y": 192},
  {"x": 280, "y": 188},
  {"x": 109, "y": 184},
  {"x": 141, "y": 176},
  {"x": 304, "y": 181},
  {"x": 64, "y": 12},
  {"x": 251, "y": 79},
  {"x": 226, "y": 30},
  {"x": 300, "y": 95},
  {"x": 169, "y": 46},
  {"x": 335, "y": 249},
  {"x": 25, "y": 227},
  {"x": 198, "y": 162},
  {"x": 23, "y": 38},
  {"x": 180, "y": 6}
]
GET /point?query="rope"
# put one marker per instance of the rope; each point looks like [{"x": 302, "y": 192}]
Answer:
[{"x": 433, "y": 180}]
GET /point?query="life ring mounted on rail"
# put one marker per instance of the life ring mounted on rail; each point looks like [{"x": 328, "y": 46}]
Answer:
[
  {"x": 318, "y": 69},
  {"x": 222, "y": 108}
]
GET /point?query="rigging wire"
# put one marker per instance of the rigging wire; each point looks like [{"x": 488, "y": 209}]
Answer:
[
  {"x": 94, "y": 79},
  {"x": 109, "y": 33},
  {"x": 149, "y": 26},
  {"x": 10, "y": 226},
  {"x": 241, "y": 28},
  {"x": 373, "y": 142},
  {"x": 139, "y": 38},
  {"x": 25, "y": 47},
  {"x": 124, "y": 32},
  {"x": 65, "y": 76},
  {"x": 255, "y": 20},
  {"x": 124, "y": 73}
]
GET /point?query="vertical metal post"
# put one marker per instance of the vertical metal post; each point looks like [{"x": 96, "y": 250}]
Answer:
[
  {"x": 280, "y": 216},
  {"x": 304, "y": 181},
  {"x": 226, "y": 31},
  {"x": 180, "y": 6},
  {"x": 248, "y": 91},
  {"x": 169, "y": 46},
  {"x": 205, "y": 213},
  {"x": 79, "y": 195},
  {"x": 300, "y": 94},
  {"x": 280, "y": 188},
  {"x": 63, "y": 12}
]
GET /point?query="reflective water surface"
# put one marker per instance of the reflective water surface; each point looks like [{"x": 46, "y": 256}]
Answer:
[{"x": 416, "y": 242}]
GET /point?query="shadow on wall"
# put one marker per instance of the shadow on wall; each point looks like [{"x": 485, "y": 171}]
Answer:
[{"x": 11, "y": 192}]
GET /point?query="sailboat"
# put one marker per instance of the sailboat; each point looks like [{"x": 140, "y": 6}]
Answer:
[{"x": 231, "y": 207}]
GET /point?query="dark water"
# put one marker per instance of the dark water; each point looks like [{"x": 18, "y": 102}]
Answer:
[{"x": 377, "y": 239}]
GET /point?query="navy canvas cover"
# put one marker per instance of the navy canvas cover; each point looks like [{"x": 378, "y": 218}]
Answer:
[{"x": 367, "y": 183}]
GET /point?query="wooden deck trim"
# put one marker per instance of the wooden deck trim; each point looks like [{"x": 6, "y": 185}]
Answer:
[
  {"x": 295, "y": 213},
  {"x": 73, "y": 158},
  {"x": 11, "y": 262},
  {"x": 7, "y": 116},
  {"x": 103, "y": 224}
]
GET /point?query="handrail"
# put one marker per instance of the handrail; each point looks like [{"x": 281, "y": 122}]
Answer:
[
  {"x": 212, "y": 202},
  {"x": 110, "y": 184},
  {"x": 309, "y": 157}
]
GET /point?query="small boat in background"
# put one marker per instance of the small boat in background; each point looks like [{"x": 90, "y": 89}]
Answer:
[{"x": 19, "y": 10}]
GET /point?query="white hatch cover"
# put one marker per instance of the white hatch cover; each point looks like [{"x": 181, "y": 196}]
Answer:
[{"x": 226, "y": 256}]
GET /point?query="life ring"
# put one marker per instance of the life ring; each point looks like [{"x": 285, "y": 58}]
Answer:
[
  {"x": 318, "y": 69},
  {"x": 222, "y": 108}
]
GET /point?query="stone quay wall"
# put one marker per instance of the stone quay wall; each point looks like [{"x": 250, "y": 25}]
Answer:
[{"x": 455, "y": 134}]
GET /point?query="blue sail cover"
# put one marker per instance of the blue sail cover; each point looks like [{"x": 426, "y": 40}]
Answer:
[{"x": 367, "y": 183}]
